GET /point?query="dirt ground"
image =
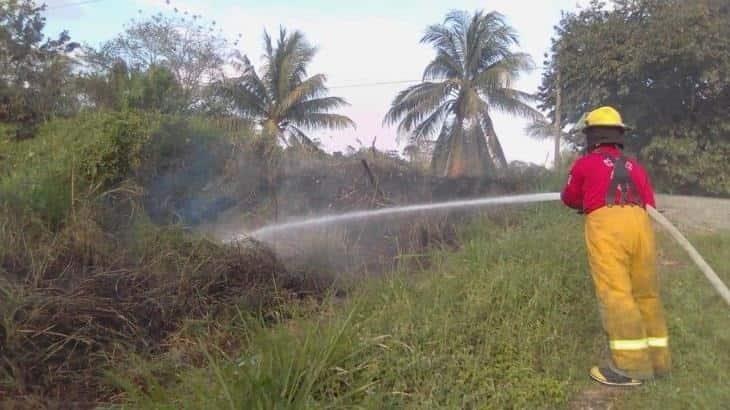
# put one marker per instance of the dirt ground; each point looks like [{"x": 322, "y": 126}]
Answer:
[{"x": 696, "y": 213}]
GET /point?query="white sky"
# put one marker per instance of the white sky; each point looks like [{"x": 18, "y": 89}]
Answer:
[{"x": 360, "y": 41}]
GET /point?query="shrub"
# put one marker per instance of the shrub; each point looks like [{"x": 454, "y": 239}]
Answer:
[
  {"x": 169, "y": 158},
  {"x": 688, "y": 166},
  {"x": 72, "y": 159}
]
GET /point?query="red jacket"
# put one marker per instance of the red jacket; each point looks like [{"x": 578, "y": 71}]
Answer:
[{"x": 590, "y": 177}]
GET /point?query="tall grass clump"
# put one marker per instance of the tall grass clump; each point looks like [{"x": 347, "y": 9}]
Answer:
[
  {"x": 85, "y": 273},
  {"x": 69, "y": 306},
  {"x": 506, "y": 322}
]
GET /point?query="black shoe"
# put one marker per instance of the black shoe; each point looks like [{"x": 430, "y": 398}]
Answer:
[{"x": 608, "y": 377}]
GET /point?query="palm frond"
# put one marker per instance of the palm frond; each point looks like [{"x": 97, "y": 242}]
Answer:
[
  {"x": 445, "y": 41},
  {"x": 458, "y": 22},
  {"x": 268, "y": 46},
  {"x": 253, "y": 81},
  {"x": 499, "y": 41},
  {"x": 418, "y": 101},
  {"x": 503, "y": 72},
  {"x": 475, "y": 39},
  {"x": 513, "y": 102},
  {"x": 422, "y": 112},
  {"x": 324, "y": 120},
  {"x": 543, "y": 129},
  {"x": 304, "y": 53},
  {"x": 247, "y": 92},
  {"x": 442, "y": 67},
  {"x": 268, "y": 67},
  {"x": 285, "y": 65},
  {"x": 298, "y": 137},
  {"x": 244, "y": 101},
  {"x": 317, "y": 105},
  {"x": 540, "y": 129},
  {"x": 312, "y": 87},
  {"x": 428, "y": 126},
  {"x": 294, "y": 54}
]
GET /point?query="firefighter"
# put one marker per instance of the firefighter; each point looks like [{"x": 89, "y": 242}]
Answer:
[{"x": 612, "y": 191}]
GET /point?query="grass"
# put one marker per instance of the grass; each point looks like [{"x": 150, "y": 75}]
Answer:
[
  {"x": 699, "y": 332},
  {"x": 508, "y": 321},
  {"x": 74, "y": 301},
  {"x": 487, "y": 326}
]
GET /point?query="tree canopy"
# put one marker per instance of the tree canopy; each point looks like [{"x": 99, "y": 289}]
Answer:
[
  {"x": 195, "y": 54},
  {"x": 665, "y": 64},
  {"x": 662, "y": 62},
  {"x": 34, "y": 69}
]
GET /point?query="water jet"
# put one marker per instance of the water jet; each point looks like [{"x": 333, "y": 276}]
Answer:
[{"x": 270, "y": 230}]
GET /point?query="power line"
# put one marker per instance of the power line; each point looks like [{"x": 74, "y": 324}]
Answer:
[
  {"x": 78, "y": 3},
  {"x": 358, "y": 85}
]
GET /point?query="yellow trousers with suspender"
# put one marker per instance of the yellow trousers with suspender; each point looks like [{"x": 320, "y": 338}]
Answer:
[{"x": 621, "y": 253}]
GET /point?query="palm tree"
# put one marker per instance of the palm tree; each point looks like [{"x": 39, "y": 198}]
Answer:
[
  {"x": 471, "y": 76},
  {"x": 542, "y": 129},
  {"x": 283, "y": 100}
]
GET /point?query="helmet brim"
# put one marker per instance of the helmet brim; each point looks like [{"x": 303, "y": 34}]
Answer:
[{"x": 624, "y": 127}]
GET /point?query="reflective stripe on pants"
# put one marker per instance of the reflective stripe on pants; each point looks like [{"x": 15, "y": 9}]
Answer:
[{"x": 620, "y": 243}]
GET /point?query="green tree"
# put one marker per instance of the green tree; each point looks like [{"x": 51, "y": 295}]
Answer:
[
  {"x": 471, "y": 76},
  {"x": 664, "y": 63},
  {"x": 121, "y": 88},
  {"x": 542, "y": 129},
  {"x": 284, "y": 100},
  {"x": 35, "y": 71},
  {"x": 195, "y": 54}
]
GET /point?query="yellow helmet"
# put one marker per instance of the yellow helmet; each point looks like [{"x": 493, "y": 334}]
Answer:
[{"x": 604, "y": 117}]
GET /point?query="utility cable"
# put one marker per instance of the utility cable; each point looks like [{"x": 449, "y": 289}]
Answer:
[{"x": 359, "y": 85}]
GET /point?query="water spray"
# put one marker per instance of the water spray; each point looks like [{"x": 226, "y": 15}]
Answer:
[
  {"x": 352, "y": 216},
  {"x": 267, "y": 231}
]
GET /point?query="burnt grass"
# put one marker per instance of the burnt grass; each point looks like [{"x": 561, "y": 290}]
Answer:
[
  {"x": 75, "y": 300},
  {"x": 68, "y": 319}
]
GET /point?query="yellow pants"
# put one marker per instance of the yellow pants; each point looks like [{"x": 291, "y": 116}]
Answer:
[{"x": 621, "y": 252}]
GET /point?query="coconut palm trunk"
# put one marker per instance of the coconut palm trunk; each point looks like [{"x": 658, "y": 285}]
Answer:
[
  {"x": 495, "y": 147},
  {"x": 470, "y": 77}
]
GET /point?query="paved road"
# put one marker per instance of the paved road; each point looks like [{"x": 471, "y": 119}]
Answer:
[{"x": 695, "y": 213}]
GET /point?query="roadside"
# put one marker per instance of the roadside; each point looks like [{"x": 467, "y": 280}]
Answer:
[{"x": 696, "y": 213}]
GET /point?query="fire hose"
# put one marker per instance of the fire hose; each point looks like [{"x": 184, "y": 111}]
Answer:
[{"x": 706, "y": 269}]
